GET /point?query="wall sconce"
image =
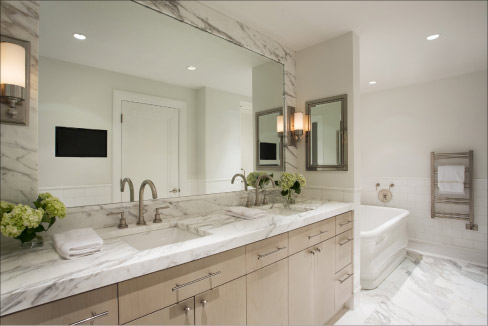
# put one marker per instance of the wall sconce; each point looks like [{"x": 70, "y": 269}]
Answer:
[
  {"x": 279, "y": 125},
  {"x": 298, "y": 125},
  {"x": 14, "y": 80}
]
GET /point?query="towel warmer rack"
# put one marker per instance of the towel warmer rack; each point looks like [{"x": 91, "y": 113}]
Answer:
[{"x": 466, "y": 210}]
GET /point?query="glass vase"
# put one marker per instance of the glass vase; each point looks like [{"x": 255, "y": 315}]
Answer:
[
  {"x": 38, "y": 241},
  {"x": 290, "y": 198}
]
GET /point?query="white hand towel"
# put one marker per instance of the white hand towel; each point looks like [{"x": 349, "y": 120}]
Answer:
[
  {"x": 245, "y": 212},
  {"x": 450, "y": 179},
  {"x": 77, "y": 243}
]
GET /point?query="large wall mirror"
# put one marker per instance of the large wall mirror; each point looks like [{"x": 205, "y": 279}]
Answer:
[
  {"x": 141, "y": 95},
  {"x": 327, "y": 138}
]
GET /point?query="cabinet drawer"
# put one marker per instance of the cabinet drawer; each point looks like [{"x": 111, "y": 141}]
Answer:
[
  {"x": 178, "y": 314},
  {"x": 344, "y": 246},
  {"x": 99, "y": 304},
  {"x": 266, "y": 252},
  {"x": 148, "y": 293},
  {"x": 344, "y": 222},
  {"x": 343, "y": 287},
  {"x": 312, "y": 234}
]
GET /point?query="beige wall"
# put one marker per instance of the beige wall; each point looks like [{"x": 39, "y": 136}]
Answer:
[
  {"x": 73, "y": 95},
  {"x": 328, "y": 69}
]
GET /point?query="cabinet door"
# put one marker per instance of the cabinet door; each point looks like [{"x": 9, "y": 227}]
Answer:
[
  {"x": 324, "y": 281},
  {"x": 224, "y": 305},
  {"x": 178, "y": 314},
  {"x": 301, "y": 287},
  {"x": 267, "y": 295}
]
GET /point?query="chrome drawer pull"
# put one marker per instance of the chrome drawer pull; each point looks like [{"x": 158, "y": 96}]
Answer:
[
  {"x": 342, "y": 224},
  {"x": 89, "y": 318},
  {"x": 344, "y": 242},
  {"x": 179, "y": 286},
  {"x": 345, "y": 278},
  {"x": 271, "y": 252},
  {"x": 316, "y": 235}
]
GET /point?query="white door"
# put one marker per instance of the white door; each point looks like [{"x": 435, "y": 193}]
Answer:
[{"x": 150, "y": 148}]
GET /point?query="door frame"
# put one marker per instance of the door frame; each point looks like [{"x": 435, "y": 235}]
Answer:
[{"x": 120, "y": 96}]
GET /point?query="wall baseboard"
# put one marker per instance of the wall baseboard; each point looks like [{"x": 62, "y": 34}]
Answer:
[{"x": 470, "y": 255}]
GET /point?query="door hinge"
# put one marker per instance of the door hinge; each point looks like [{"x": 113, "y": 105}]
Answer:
[{"x": 121, "y": 118}]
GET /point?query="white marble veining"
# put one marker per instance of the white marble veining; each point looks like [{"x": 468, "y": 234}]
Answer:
[
  {"x": 18, "y": 144},
  {"x": 425, "y": 291},
  {"x": 36, "y": 276}
]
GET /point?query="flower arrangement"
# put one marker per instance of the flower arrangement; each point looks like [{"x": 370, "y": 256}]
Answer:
[
  {"x": 291, "y": 183},
  {"x": 252, "y": 178},
  {"x": 22, "y": 222}
]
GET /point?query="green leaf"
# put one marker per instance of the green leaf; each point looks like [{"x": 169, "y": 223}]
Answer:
[
  {"x": 298, "y": 191},
  {"x": 284, "y": 192}
]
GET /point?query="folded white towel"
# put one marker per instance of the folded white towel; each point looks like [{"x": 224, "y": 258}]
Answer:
[
  {"x": 77, "y": 243},
  {"x": 245, "y": 212},
  {"x": 450, "y": 179}
]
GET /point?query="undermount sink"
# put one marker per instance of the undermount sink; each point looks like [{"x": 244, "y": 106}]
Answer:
[{"x": 159, "y": 238}]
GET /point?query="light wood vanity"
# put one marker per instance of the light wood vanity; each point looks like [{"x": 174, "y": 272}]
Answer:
[{"x": 299, "y": 277}]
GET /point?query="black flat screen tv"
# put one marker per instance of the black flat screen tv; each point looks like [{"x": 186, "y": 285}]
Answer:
[
  {"x": 79, "y": 142},
  {"x": 267, "y": 151}
]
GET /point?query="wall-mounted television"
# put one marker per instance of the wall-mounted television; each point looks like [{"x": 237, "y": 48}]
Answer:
[
  {"x": 80, "y": 142},
  {"x": 267, "y": 151}
]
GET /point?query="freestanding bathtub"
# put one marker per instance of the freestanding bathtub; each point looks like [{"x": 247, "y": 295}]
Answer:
[{"x": 383, "y": 242}]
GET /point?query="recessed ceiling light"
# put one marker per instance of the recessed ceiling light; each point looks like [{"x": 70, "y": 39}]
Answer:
[
  {"x": 372, "y": 82},
  {"x": 433, "y": 37},
  {"x": 191, "y": 68},
  {"x": 79, "y": 36}
]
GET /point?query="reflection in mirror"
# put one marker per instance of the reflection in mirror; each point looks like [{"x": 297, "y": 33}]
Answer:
[
  {"x": 327, "y": 138},
  {"x": 175, "y": 104},
  {"x": 269, "y": 142}
]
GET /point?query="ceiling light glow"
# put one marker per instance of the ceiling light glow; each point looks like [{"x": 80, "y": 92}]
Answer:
[
  {"x": 191, "y": 68},
  {"x": 79, "y": 36},
  {"x": 372, "y": 82},
  {"x": 433, "y": 37}
]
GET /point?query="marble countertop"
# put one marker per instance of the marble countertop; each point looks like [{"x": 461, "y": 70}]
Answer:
[{"x": 36, "y": 276}]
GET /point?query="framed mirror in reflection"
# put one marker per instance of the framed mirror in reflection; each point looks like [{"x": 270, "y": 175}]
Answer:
[
  {"x": 175, "y": 102},
  {"x": 327, "y": 137},
  {"x": 269, "y": 140}
]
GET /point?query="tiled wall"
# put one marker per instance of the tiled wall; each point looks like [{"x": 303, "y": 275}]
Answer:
[{"x": 413, "y": 194}]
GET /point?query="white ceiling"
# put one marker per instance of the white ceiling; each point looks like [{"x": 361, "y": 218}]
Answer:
[
  {"x": 128, "y": 38},
  {"x": 393, "y": 49}
]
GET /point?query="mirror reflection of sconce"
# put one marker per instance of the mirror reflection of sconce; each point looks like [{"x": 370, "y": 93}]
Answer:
[
  {"x": 14, "y": 80},
  {"x": 279, "y": 125}
]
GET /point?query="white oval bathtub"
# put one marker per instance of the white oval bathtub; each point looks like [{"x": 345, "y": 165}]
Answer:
[{"x": 383, "y": 242}]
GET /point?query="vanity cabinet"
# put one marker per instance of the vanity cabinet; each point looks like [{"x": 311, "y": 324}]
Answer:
[
  {"x": 267, "y": 295},
  {"x": 301, "y": 277},
  {"x": 311, "y": 284},
  {"x": 98, "y": 307}
]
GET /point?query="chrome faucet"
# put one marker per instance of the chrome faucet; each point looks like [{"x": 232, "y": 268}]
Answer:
[
  {"x": 262, "y": 176},
  {"x": 141, "y": 199},
  {"x": 243, "y": 178},
  {"x": 131, "y": 187}
]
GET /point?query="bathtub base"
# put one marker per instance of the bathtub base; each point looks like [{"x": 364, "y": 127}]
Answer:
[{"x": 370, "y": 284}]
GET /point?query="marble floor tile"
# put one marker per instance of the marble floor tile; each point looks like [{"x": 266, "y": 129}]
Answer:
[{"x": 425, "y": 291}]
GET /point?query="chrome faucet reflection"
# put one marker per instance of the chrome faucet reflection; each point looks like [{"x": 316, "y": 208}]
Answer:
[
  {"x": 263, "y": 176},
  {"x": 131, "y": 187},
  {"x": 141, "y": 199}
]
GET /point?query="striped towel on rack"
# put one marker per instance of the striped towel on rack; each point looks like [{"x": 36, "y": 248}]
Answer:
[{"x": 451, "y": 179}]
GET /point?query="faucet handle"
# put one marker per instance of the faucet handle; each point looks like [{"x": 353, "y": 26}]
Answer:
[
  {"x": 122, "y": 221},
  {"x": 157, "y": 217},
  {"x": 265, "y": 199}
]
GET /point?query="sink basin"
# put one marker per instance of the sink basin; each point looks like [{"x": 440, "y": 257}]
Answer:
[{"x": 159, "y": 238}]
